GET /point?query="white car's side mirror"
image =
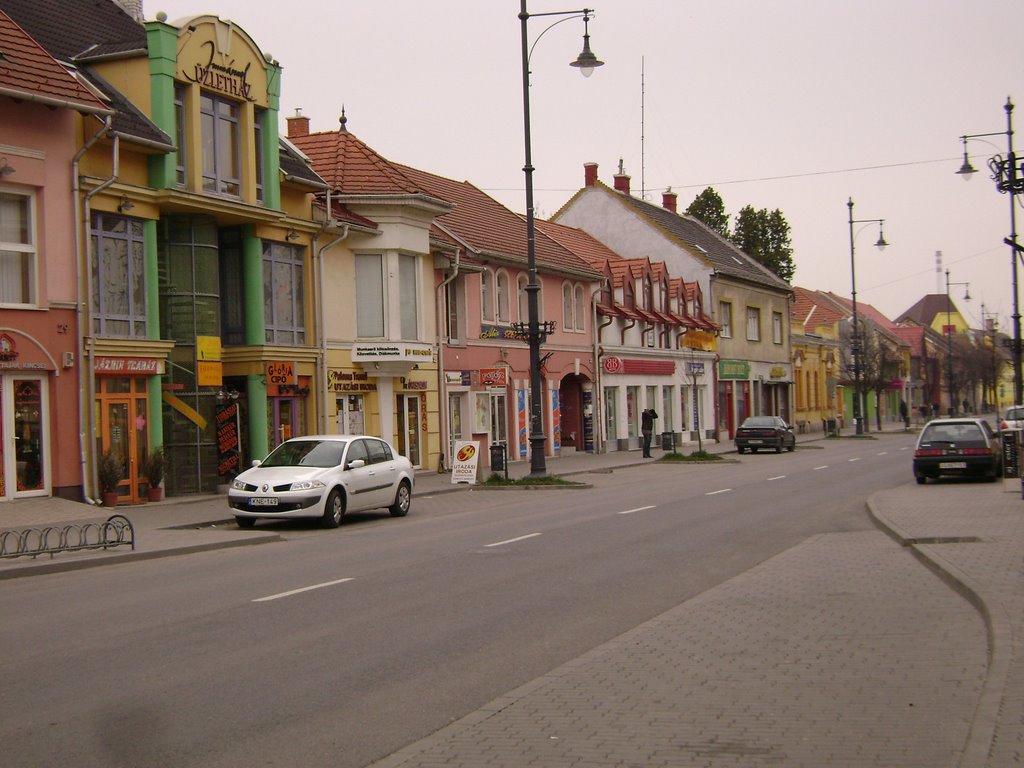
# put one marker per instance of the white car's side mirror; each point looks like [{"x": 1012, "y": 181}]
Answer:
[
  {"x": 356, "y": 463},
  {"x": 256, "y": 462}
]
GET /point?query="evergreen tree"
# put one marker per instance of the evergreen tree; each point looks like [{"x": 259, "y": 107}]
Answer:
[
  {"x": 764, "y": 236},
  {"x": 709, "y": 208}
]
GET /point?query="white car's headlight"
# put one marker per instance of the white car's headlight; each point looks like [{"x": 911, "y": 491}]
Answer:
[
  {"x": 307, "y": 485},
  {"x": 237, "y": 485}
]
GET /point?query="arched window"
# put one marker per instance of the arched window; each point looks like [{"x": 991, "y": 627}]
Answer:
[
  {"x": 581, "y": 308},
  {"x": 502, "y": 296},
  {"x": 487, "y": 295},
  {"x": 524, "y": 312},
  {"x": 568, "y": 316}
]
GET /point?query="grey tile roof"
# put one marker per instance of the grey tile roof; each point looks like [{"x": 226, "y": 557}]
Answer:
[
  {"x": 68, "y": 28},
  {"x": 722, "y": 255},
  {"x": 128, "y": 120}
]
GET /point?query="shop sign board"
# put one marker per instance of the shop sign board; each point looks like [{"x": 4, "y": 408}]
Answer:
[{"x": 465, "y": 460}]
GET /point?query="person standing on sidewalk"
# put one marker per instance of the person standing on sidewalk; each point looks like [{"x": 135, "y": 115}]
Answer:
[{"x": 647, "y": 429}]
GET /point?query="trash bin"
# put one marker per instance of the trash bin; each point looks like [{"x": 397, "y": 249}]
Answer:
[
  {"x": 668, "y": 441},
  {"x": 831, "y": 426},
  {"x": 498, "y": 457}
]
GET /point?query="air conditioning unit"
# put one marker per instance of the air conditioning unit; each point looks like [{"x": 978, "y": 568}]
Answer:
[{"x": 68, "y": 359}]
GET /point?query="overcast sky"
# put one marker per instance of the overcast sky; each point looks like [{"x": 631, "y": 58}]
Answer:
[{"x": 790, "y": 104}]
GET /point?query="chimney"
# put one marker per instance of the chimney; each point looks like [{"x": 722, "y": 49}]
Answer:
[
  {"x": 298, "y": 125},
  {"x": 668, "y": 200},
  {"x": 622, "y": 183},
  {"x": 621, "y": 180},
  {"x": 589, "y": 174},
  {"x": 132, "y": 7}
]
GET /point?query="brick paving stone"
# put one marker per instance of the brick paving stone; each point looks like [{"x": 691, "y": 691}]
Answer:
[{"x": 842, "y": 651}]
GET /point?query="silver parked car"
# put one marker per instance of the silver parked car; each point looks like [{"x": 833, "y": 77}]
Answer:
[{"x": 323, "y": 476}]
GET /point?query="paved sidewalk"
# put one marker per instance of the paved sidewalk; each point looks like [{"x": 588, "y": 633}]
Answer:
[{"x": 846, "y": 650}]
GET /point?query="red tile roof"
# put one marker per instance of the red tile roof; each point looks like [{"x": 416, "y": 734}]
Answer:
[
  {"x": 28, "y": 72},
  {"x": 350, "y": 166}
]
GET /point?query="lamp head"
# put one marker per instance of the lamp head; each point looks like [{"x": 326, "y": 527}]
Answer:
[
  {"x": 881, "y": 244},
  {"x": 966, "y": 170},
  {"x": 586, "y": 62}
]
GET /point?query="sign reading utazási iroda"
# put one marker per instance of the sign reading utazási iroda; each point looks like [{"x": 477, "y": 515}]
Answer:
[{"x": 464, "y": 461}]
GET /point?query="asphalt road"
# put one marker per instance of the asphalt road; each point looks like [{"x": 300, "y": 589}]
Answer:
[{"x": 338, "y": 647}]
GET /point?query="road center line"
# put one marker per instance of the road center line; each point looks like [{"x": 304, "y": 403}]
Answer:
[
  {"x": 300, "y": 590},
  {"x": 638, "y": 509},
  {"x": 777, "y": 477},
  {"x": 855, "y": 458},
  {"x": 512, "y": 541},
  {"x": 823, "y": 466},
  {"x": 715, "y": 493},
  {"x": 882, "y": 453}
]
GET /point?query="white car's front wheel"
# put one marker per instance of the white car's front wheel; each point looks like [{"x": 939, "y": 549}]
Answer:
[{"x": 334, "y": 510}]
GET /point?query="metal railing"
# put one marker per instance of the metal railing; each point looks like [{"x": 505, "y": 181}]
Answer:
[{"x": 115, "y": 531}]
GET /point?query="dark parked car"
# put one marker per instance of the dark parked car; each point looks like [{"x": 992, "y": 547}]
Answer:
[
  {"x": 957, "y": 448},
  {"x": 764, "y": 432}
]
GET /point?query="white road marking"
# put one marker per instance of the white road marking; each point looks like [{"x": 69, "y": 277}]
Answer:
[
  {"x": 512, "y": 541},
  {"x": 777, "y": 477},
  {"x": 855, "y": 458},
  {"x": 300, "y": 590},
  {"x": 823, "y": 466},
  {"x": 638, "y": 509},
  {"x": 883, "y": 453},
  {"x": 715, "y": 493}
]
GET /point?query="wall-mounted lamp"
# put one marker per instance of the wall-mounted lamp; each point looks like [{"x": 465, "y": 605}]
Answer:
[
  {"x": 292, "y": 236},
  {"x": 6, "y": 169},
  {"x": 125, "y": 205}
]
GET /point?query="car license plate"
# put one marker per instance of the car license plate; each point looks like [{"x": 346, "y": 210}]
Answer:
[
  {"x": 953, "y": 465},
  {"x": 263, "y": 501},
  {"x": 754, "y": 441}
]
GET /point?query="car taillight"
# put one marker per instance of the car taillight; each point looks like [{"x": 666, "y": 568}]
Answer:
[
  {"x": 928, "y": 452},
  {"x": 977, "y": 451},
  {"x": 1003, "y": 426}
]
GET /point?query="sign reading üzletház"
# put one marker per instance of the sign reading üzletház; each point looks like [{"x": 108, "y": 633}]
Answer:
[{"x": 400, "y": 352}]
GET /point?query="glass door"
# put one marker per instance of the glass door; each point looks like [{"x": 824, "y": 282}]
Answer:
[
  {"x": 25, "y": 401},
  {"x": 409, "y": 428},
  {"x": 285, "y": 424}
]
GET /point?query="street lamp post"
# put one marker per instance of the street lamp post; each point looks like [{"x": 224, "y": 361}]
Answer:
[
  {"x": 949, "y": 338},
  {"x": 1009, "y": 178},
  {"x": 858, "y": 410},
  {"x": 535, "y": 332}
]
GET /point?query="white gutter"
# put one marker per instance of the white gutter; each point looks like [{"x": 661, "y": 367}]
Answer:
[
  {"x": 86, "y": 383},
  {"x": 442, "y": 378}
]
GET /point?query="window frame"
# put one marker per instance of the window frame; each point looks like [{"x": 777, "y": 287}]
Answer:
[
  {"x": 136, "y": 316},
  {"x": 502, "y": 288},
  {"x": 725, "y": 319},
  {"x": 487, "y": 295},
  {"x": 28, "y": 273},
  {"x": 408, "y": 296},
  {"x": 365, "y": 292},
  {"x": 776, "y": 327},
  {"x": 753, "y": 323},
  {"x": 215, "y": 180},
  {"x": 291, "y": 257}
]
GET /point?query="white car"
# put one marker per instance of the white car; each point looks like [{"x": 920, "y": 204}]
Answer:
[
  {"x": 1013, "y": 419},
  {"x": 323, "y": 476}
]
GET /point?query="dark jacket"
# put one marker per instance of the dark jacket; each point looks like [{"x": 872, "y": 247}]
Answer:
[{"x": 647, "y": 420}]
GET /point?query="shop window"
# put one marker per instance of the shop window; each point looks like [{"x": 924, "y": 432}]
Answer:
[
  {"x": 17, "y": 248},
  {"x": 219, "y": 119},
  {"x": 369, "y": 296},
  {"x": 118, "y": 276},
  {"x": 283, "y": 292},
  {"x": 453, "y": 309}
]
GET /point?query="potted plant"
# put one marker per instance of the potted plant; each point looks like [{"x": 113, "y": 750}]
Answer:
[
  {"x": 155, "y": 474},
  {"x": 109, "y": 472}
]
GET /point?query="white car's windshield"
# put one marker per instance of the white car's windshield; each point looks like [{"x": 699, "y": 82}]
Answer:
[{"x": 306, "y": 453}]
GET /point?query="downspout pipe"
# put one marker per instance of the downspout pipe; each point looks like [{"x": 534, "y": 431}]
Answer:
[
  {"x": 321, "y": 319},
  {"x": 83, "y": 236},
  {"x": 442, "y": 341},
  {"x": 624, "y": 329}
]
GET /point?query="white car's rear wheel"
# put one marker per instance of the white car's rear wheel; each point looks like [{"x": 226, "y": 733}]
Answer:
[{"x": 403, "y": 500}]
